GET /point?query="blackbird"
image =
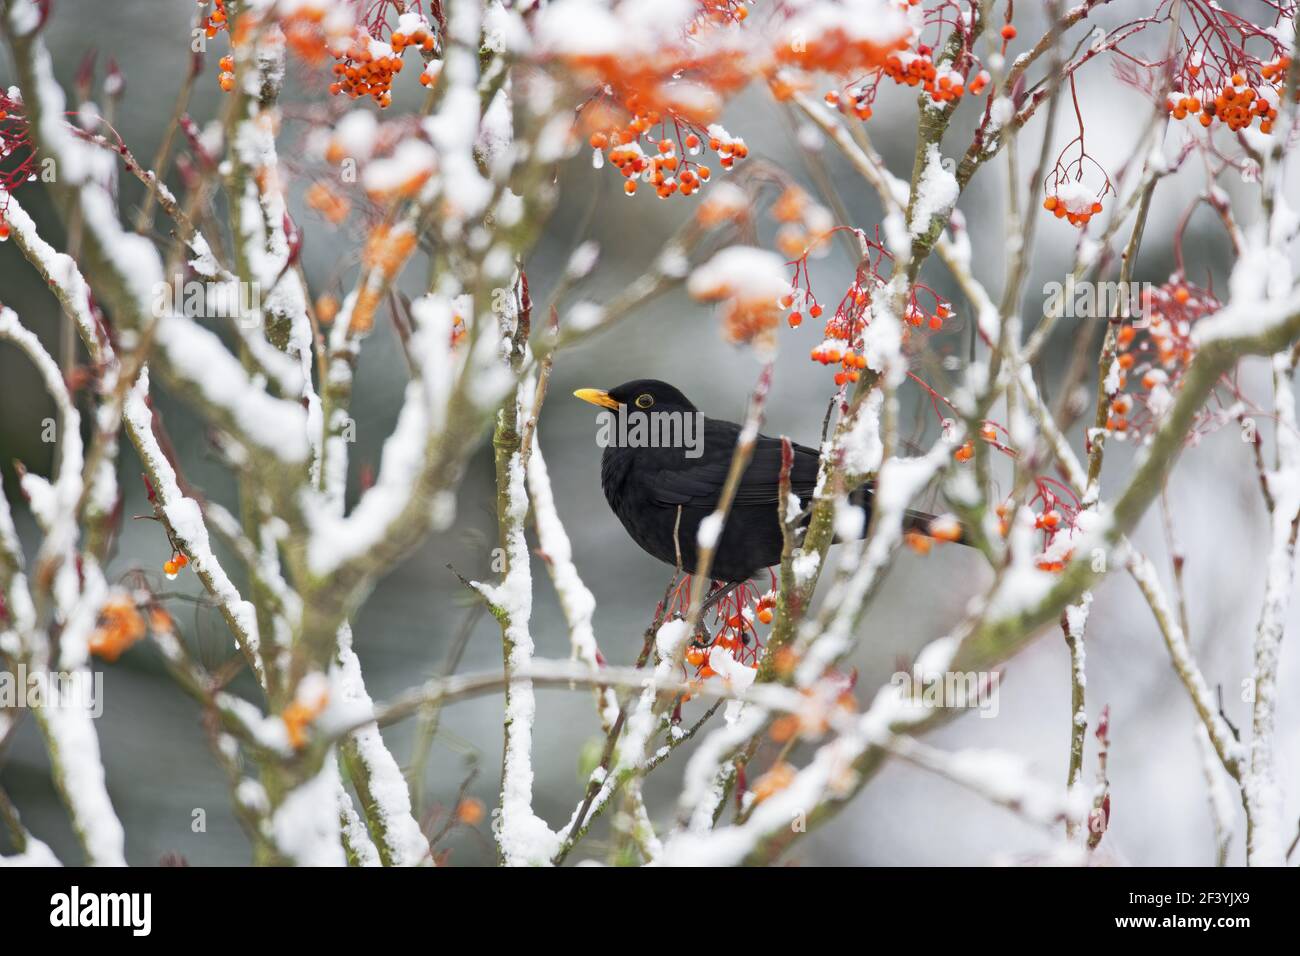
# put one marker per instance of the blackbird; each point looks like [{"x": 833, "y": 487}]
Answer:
[{"x": 645, "y": 486}]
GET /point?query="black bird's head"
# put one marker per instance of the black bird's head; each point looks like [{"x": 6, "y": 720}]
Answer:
[{"x": 645, "y": 394}]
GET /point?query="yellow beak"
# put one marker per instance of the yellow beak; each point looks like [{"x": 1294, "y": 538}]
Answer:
[{"x": 596, "y": 396}]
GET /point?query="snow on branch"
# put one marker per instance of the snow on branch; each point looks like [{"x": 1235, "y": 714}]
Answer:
[{"x": 439, "y": 219}]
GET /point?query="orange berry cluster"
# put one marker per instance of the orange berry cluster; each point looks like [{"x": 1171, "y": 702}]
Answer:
[
  {"x": 851, "y": 362},
  {"x": 1076, "y": 215},
  {"x": 918, "y": 317},
  {"x": 367, "y": 67},
  {"x": 1236, "y": 104},
  {"x": 669, "y": 169},
  {"x": 920, "y": 543},
  {"x": 908, "y": 66},
  {"x": 120, "y": 625},
  {"x": 918, "y": 69},
  {"x": 944, "y": 528},
  {"x": 1048, "y": 521},
  {"x": 173, "y": 565},
  {"x": 1054, "y": 517},
  {"x": 737, "y": 634},
  {"x": 776, "y": 779},
  {"x": 725, "y": 205},
  {"x": 386, "y": 250},
  {"x": 420, "y": 38},
  {"x": 795, "y": 318},
  {"x": 217, "y": 20},
  {"x": 1117, "y": 415},
  {"x": 744, "y": 320},
  {"x": 1054, "y": 564},
  {"x": 321, "y": 197},
  {"x": 909, "y": 69},
  {"x": 841, "y": 345},
  {"x": 837, "y": 50},
  {"x": 305, "y": 34},
  {"x": 226, "y": 78},
  {"x": 843, "y": 330},
  {"x": 989, "y": 433},
  {"x": 1157, "y": 355},
  {"x": 327, "y": 308},
  {"x": 429, "y": 75},
  {"x": 804, "y": 224},
  {"x": 673, "y": 90},
  {"x": 718, "y": 13}
]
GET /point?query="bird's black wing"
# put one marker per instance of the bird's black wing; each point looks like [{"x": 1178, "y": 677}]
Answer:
[{"x": 699, "y": 481}]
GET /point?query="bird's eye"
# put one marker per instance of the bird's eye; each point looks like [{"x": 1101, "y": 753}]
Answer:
[{"x": 644, "y": 401}]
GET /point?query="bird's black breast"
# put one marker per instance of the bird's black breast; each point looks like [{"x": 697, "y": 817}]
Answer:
[{"x": 661, "y": 495}]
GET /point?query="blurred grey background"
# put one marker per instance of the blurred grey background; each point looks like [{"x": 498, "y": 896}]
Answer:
[{"x": 159, "y": 769}]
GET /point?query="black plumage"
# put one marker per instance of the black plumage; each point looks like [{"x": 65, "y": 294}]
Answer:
[{"x": 645, "y": 486}]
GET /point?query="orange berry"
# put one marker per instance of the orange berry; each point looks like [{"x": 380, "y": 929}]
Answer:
[
  {"x": 784, "y": 728},
  {"x": 945, "y": 529},
  {"x": 1008, "y": 32},
  {"x": 470, "y": 811}
]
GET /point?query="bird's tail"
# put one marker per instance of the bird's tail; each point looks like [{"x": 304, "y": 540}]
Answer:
[{"x": 919, "y": 522}]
